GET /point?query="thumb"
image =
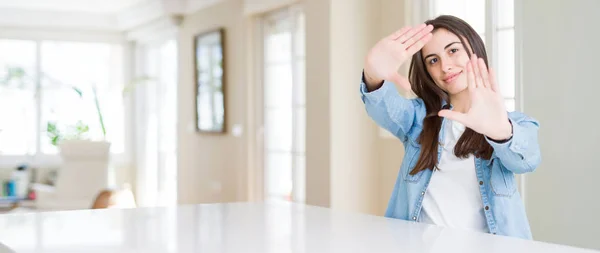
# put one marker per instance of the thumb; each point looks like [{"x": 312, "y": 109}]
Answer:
[
  {"x": 402, "y": 81},
  {"x": 456, "y": 116}
]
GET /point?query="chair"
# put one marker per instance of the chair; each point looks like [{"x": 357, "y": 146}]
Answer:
[
  {"x": 83, "y": 174},
  {"x": 114, "y": 199}
]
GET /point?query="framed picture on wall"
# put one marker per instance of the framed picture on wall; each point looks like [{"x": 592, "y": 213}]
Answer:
[{"x": 209, "y": 70}]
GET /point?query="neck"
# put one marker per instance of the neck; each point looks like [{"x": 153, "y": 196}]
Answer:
[{"x": 461, "y": 101}]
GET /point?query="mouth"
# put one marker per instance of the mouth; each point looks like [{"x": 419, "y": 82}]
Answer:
[{"x": 452, "y": 77}]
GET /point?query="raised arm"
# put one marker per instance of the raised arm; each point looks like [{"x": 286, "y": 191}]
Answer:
[
  {"x": 390, "y": 110},
  {"x": 382, "y": 101},
  {"x": 513, "y": 136}
]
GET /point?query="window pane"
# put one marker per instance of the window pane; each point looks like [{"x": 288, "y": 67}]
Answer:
[
  {"x": 472, "y": 11},
  {"x": 483, "y": 39},
  {"x": 300, "y": 130},
  {"x": 506, "y": 13},
  {"x": 506, "y": 63},
  {"x": 278, "y": 85},
  {"x": 299, "y": 36},
  {"x": 18, "y": 131},
  {"x": 278, "y": 129},
  {"x": 279, "y": 174},
  {"x": 284, "y": 103},
  {"x": 70, "y": 66},
  {"x": 300, "y": 83},
  {"x": 510, "y": 104},
  {"x": 278, "y": 47},
  {"x": 168, "y": 99}
]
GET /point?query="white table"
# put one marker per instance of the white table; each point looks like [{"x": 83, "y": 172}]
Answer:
[{"x": 242, "y": 227}]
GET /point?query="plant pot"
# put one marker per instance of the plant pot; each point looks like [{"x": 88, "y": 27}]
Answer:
[{"x": 84, "y": 171}]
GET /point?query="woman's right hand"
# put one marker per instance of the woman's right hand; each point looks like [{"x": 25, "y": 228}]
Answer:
[{"x": 386, "y": 57}]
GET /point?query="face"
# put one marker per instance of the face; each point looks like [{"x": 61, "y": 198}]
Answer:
[{"x": 446, "y": 59}]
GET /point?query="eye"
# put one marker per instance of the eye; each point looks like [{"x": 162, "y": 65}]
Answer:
[
  {"x": 454, "y": 50},
  {"x": 433, "y": 60}
]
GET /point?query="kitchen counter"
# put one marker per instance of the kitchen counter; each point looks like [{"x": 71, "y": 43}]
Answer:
[{"x": 242, "y": 227}]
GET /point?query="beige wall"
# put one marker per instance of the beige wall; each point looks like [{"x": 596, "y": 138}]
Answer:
[
  {"x": 354, "y": 167},
  {"x": 348, "y": 165},
  {"x": 318, "y": 125},
  {"x": 212, "y": 168},
  {"x": 560, "y": 89}
]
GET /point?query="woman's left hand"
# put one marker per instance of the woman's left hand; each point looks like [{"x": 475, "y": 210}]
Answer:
[{"x": 487, "y": 114}]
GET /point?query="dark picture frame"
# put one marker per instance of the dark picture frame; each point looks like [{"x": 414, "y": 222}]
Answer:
[{"x": 210, "y": 82}]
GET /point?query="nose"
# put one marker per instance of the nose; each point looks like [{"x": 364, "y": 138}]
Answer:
[{"x": 446, "y": 64}]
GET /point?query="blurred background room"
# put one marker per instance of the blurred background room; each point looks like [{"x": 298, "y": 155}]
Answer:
[{"x": 143, "y": 103}]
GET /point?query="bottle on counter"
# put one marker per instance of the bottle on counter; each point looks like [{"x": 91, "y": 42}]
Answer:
[{"x": 20, "y": 178}]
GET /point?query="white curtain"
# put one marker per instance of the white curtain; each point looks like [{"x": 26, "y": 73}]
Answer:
[{"x": 155, "y": 124}]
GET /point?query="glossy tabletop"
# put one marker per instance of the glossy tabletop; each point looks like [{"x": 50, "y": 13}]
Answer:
[{"x": 242, "y": 227}]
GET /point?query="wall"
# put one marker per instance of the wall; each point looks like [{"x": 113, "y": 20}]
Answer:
[
  {"x": 348, "y": 165},
  {"x": 560, "y": 87},
  {"x": 318, "y": 173},
  {"x": 354, "y": 167},
  {"x": 212, "y": 168}
]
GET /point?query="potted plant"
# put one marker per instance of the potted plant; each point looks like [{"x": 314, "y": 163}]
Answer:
[
  {"x": 74, "y": 140},
  {"x": 84, "y": 170}
]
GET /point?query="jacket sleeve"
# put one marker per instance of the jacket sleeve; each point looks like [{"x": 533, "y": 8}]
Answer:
[
  {"x": 390, "y": 110},
  {"x": 521, "y": 153}
]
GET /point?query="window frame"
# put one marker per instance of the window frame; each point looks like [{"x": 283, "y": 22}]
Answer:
[
  {"x": 298, "y": 184},
  {"x": 50, "y": 161}
]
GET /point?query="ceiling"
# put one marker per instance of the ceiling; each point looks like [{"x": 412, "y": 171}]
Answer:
[
  {"x": 89, "y": 6},
  {"x": 92, "y": 15}
]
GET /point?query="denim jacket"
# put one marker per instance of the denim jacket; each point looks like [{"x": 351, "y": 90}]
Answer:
[{"x": 502, "y": 204}]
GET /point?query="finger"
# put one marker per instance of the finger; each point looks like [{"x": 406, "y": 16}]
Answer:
[
  {"x": 401, "y": 81},
  {"x": 400, "y": 32},
  {"x": 493, "y": 81},
  {"x": 409, "y": 34},
  {"x": 417, "y": 36},
  {"x": 476, "y": 73},
  {"x": 419, "y": 44},
  {"x": 483, "y": 71},
  {"x": 471, "y": 77},
  {"x": 455, "y": 116}
]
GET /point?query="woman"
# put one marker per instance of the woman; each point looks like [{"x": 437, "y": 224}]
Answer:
[{"x": 462, "y": 148}]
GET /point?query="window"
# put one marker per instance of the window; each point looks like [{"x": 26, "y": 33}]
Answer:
[
  {"x": 497, "y": 31},
  {"x": 156, "y": 121},
  {"x": 284, "y": 105},
  {"x": 54, "y": 81},
  {"x": 18, "y": 110}
]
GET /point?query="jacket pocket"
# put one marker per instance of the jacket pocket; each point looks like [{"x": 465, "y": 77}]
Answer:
[
  {"x": 413, "y": 156},
  {"x": 502, "y": 180}
]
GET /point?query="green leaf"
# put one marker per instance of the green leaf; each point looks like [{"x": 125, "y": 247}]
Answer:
[
  {"x": 51, "y": 127},
  {"x": 79, "y": 92},
  {"x": 54, "y": 140}
]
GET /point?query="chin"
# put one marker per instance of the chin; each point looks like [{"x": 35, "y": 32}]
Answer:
[
  {"x": 453, "y": 88},
  {"x": 456, "y": 91}
]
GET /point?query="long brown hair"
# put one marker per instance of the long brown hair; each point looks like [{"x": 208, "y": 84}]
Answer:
[{"x": 433, "y": 96}]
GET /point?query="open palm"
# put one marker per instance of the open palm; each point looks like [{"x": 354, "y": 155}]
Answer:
[
  {"x": 487, "y": 114},
  {"x": 386, "y": 57}
]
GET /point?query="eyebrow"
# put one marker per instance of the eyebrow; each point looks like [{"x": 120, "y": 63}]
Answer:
[{"x": 444, "y": 49}]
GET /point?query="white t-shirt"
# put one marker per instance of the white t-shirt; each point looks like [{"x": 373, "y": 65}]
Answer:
[{"x": 453, "y": 198}]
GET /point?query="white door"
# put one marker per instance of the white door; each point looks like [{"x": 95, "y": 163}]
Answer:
[
  {"x": 156, "y": 122},
  {"x": 283, "y": 105}
]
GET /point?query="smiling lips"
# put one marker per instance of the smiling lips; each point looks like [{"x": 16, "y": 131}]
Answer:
[{"x": 452, "y": 77}]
